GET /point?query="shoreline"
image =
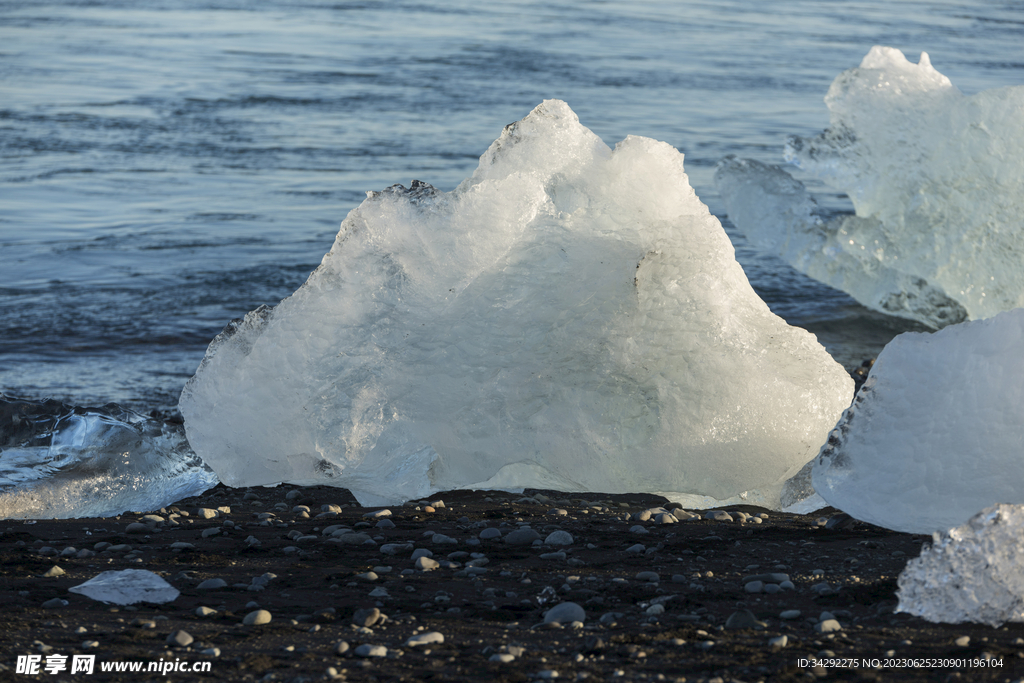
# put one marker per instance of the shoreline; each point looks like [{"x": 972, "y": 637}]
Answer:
[{"x": 708, "y": 626}]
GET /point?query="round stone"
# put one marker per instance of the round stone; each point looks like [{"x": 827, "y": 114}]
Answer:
[
  {"x": 428, "y": 638},
  {"x": 368, "y": 650},
  {"x": 565, "y": 613},
  {"x": 179, "y": 639},
  {"x": 524, "y": 536},
  {"x": 256, "y": 618},
  {"x": 559, "y": 538}
]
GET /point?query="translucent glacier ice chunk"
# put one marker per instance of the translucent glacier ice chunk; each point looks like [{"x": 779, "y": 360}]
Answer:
[
  {"x": 571, "y": 316},
  {"x": 936, "y": 178},
  {"x": 127, "y": 587},
  {"x": 937, "y": 431},
  {"x": 60, "y": 461},
  {"x": 974, "y": 572}
]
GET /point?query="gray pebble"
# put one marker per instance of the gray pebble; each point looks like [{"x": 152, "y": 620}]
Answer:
[
  {"x": 354, "y": 538},
  {"x": 257, "y": 618},
  {"x": 395, "y": 548},
  {"x": 179, "y": 639},
  {"x": 524, "y": 536},
  {"x": 648, "y": 576},
  {"x": 779, "y": 642},
  {"x": 55, "y": 603},
  {"x": 565, "y": 613},
  {"x": 368, "y": 650},
  {"x": 790, "y": 614},
  {"x": 828, "y": 626},
  {"x": 428, "y": 638},
  {"x": 743, "y": 619},
  {"x": 204, "y": 611},
  {"x": 341, "y": 648},
  {"x": 490, "y": 533},
  {"x": 718, "y": 515},
  {"x": 559, "y": 538},
  {"x": 54, "y": 571},
  {"x": 212, "y": 584},
  {"x": 425, "y": 564},
  {"x": 637, "y": 529},
  {"x": 136, "y": 528},
  {"x": 366, "y": 617},
  {"x": 502, "y": 657}
]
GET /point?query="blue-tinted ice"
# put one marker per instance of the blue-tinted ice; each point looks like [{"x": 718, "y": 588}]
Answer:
[{"x": 58, "y": 461}]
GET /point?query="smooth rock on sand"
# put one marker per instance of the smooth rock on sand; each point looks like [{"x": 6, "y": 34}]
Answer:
[
  {"x": 565, "y": 613},
  {"x": 569, "y": 317}
]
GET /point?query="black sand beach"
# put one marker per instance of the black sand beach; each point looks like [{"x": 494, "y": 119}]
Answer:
[{"x": 694, "y": 621}]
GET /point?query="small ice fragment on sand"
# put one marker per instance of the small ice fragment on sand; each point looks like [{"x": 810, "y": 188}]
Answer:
[
  {"x": 127, "y": 587},
  {"x": 974, "y": 572}
]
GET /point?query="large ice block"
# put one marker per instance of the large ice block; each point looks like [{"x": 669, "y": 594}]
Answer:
[
  {"x": 937, "y": 431},
  {"x": 569, "y": 317},
  {"x": 974, "y": 572},
  {"x": 936, "y": 179},
  {"x": 61, "y": 461}
]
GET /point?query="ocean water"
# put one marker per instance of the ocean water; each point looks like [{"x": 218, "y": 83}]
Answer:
[{"x": 168, "y": 166}]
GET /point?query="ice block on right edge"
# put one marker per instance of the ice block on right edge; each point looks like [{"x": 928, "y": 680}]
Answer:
[{"x": 936, "y": 434}]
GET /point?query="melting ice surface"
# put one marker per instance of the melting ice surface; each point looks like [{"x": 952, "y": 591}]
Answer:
[
  {"x": 57, "y": 461},
  {"x": 937, "y": 431},
  {"x": 974, "y": 572},
  {"x": 569, "y": 317},
  {"x": 937, "y": 181}
]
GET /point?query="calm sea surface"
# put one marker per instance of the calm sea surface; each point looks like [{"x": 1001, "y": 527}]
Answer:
[{"x": 168, "y": 166}]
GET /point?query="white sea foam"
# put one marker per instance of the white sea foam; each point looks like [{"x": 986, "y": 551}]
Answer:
[{"x": 569, "y": 317}]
